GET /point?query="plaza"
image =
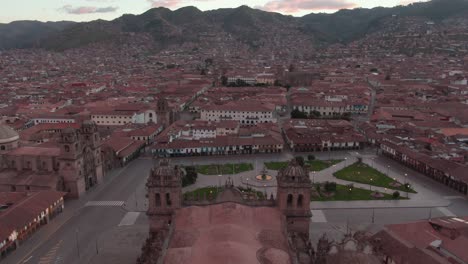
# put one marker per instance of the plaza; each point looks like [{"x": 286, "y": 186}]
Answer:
[{"x": 117, "y": 207}]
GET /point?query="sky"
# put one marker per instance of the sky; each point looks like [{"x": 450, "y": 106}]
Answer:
[{"x": 86, "y": 10}]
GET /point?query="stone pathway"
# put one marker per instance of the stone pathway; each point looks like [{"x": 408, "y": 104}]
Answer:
[{"x": 428, "y": 194}]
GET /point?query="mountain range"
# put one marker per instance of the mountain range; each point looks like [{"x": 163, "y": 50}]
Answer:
[{"x": 243, "y": 23}]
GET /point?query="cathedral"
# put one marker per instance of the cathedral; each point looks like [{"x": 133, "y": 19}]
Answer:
[
  {"x": 233, "y": 226},
  {"x": 71, "y": 163}
]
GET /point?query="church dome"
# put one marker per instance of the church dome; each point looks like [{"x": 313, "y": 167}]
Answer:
[
  {"x": 7, "y": 134},
  {"x": 294, "y": 172}
]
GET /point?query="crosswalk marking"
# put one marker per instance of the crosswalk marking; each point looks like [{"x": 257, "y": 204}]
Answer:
[
  {"x": 104, "y": 203},
  {"x": 129, "y": 219},
  {"x": 318, "y": 216},
  {"x": 50, "y": 256},
  {"x": 445, "y": 211}
]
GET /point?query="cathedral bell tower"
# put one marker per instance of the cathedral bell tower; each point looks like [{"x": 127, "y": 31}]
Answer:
[
  {"x": 293, "y": 196},
  {"x": 70, "y": 162},
  {"x": 164, "y": 194},
  {"x": 163, "y": 113}
]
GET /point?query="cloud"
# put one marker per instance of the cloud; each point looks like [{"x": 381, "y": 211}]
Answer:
[
  {"x": 294, "y": 6},
  {"x": 81, "y": 10},
  {"x": 165, "y": 3}
]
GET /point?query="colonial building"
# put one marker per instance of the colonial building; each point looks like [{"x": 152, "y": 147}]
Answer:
[
  {"x": 22, "y": 213},
  {"x": 245, "y": 114},
  {"x": 449, "y": 173},
  {"x": 207, "y": 138},
  {"x": 307, "y": 135},
  {"x": 233, "y": 225},
  {"x": 438, "y": 240},
  {"x": 72, "y": 164}
]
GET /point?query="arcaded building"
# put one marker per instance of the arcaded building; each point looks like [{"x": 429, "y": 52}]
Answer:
[
  {"x": 233, "y": 226},
  {"x": 72, "y": 164}
]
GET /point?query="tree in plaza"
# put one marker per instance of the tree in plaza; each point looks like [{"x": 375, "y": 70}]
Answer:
[
  {"x": 190, "y": 177},
  {"x": 298, "y": 114},
  {"x": 224, "y": 80},
  {"x": 315, "y": 114},
  {"x": 330, "y": 186}
]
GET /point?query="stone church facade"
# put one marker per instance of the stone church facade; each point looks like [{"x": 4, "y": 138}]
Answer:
[
  {"x": 168, "y": 210},
  {"x": 72, "y": 164}
]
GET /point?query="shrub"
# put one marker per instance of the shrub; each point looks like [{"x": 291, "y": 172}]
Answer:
[
  {"x": 311, "y": 157},
  {"x": 396, "y": 195},
  {"x": 330, "y": 186},
  {"x": 190, "y": 176}
]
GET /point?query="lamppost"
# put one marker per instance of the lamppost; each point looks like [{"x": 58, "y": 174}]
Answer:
[
  {"x": 248, "y": 184},
  {"x": 388, "y": 170},
  {"x": 346, "y": 162},
  {"x": 370, "y": 184},
  {"x": 407, "y": 185},
  {"x": 313, "y": 177},
  {"x": 219, "y": 181}
]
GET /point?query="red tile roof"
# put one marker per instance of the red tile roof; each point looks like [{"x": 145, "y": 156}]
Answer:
[{"x": 24, "y": 209}]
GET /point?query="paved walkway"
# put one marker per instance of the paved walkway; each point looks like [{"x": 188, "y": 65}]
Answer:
[{"x": 429, "y": 193}]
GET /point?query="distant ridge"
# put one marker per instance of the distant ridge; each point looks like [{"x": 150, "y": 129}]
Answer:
[{"x": 243, "y": 23}]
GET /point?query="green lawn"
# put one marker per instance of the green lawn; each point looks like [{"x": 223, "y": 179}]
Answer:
[
  {"x": 318, "y": 165},
  {"x": 357, "y": 194},
  {"x": 314, "y": 165},
  {"x": 276, "y": 165},
  {"x": 362, "y": 173},
  {"x": 216, "y": 169},
  {"x": 202, "y": 192}
]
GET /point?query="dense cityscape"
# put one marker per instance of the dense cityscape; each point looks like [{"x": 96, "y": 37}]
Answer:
[{"x": 237, "y": 143}]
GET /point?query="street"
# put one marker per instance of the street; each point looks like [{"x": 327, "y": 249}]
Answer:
[
  {"x": 86, "y": 232},
  {"x": 79, "y": 238}
]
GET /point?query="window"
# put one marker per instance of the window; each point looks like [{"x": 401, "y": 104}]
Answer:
[
  {"x": 300, "y": 200},
  {"x": 67, "y": 148},
  {"x": 290, "y": 200},
  {"x": 158, "y": 199},
  {"x": 2, "y": 147},
  {"x": 168, "y": 199}
]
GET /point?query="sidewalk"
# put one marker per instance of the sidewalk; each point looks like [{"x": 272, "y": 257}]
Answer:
[
  {"x": 72, "y": 209},
  {"x": 379, "y": 204}
]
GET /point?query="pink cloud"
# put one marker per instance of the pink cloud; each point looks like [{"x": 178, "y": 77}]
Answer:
[
  {"x": 81, "y": 10},
  {"x": 294, "y": 6},
  {"x": 165, "y": 3}
]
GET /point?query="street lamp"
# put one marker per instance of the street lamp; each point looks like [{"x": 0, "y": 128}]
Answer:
[
  {"x": 370, "y": 184},
  {"x": 248, "y": 184},
  {"x": 407, "y": 185},
  {"x": 388, "y": 170},
  {"x": 346, "y": 162},
  {"x": 219, "y": 181},
  {"x": 313, "y": 177}
]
